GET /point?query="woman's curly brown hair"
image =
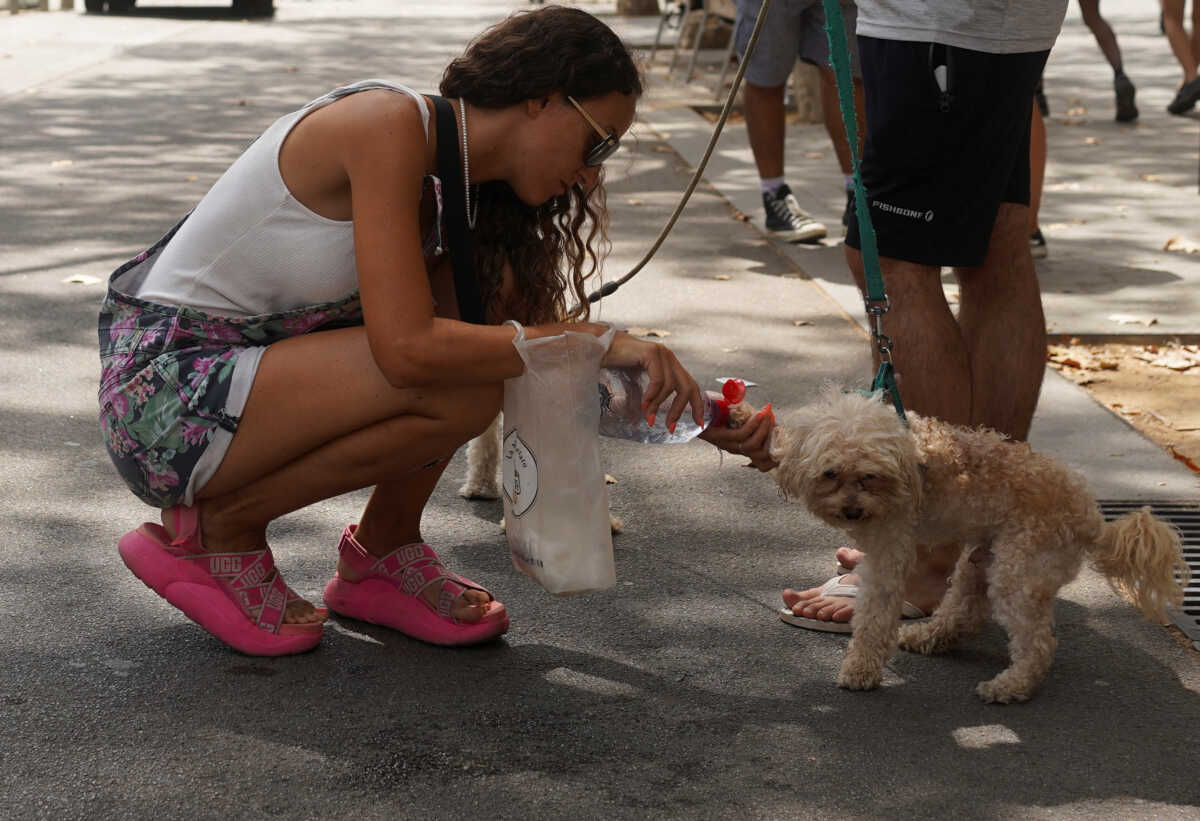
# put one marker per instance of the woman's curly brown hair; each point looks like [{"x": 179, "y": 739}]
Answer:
[{"x": 556, "y": 246}]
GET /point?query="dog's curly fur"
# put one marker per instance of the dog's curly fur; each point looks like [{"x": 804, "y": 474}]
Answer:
[{"x": 1025, "y": 523}]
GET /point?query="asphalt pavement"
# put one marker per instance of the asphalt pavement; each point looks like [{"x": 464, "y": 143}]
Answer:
[{"x": 677, "y": 694}]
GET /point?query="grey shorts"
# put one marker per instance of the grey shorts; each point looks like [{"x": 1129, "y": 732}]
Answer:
[{"x": 793, "y": 29}]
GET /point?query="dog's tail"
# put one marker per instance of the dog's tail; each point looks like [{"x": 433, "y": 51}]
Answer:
[{"x": 1142, "y": 557}]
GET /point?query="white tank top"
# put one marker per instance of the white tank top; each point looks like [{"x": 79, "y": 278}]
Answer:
[{"x": 250, "y": 247}]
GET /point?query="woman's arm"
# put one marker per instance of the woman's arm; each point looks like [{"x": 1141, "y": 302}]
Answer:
[{"x": 379, "y": 142}]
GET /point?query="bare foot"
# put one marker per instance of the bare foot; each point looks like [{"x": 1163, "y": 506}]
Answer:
[
  {"x": 298, "y": 611},
  {"x": 848, "y": 557},
  {"x": 925, "y": 589},
  {"x": 471, "y": 606}
]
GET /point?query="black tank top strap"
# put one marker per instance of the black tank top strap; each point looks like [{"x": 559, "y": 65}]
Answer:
[{"x": 458, "y": 233}]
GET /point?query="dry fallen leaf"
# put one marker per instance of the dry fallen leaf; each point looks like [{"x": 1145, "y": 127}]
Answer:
[
  {"x": 636, "y": 202},
  {"x": 1151, "y": 177},
  {"x": 731, "y": 350},
  {"x": 1128, "y": 319},
  {"x": 1175, "y": 363},
  {"x": 61, "y": 163},
  {"x": 609, "y": 480},
  {"x": 1076, "y": 111},
  {"x": 1092, "y": 140},
  {"x": 800, "y": 323},
  {"x": 82, "y": 279},
  {"x": 648, "y": 332},
  {"x": 1182, "y": 245},
  {"x": 722, "y": 277},
  {"x": 740, "y": 217},
  {"x": 190, "y": 178}
]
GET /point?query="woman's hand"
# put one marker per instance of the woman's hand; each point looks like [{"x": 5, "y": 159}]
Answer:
[
  {"x": 667, "y": 377},
  {"x": 752, "y": 440}
]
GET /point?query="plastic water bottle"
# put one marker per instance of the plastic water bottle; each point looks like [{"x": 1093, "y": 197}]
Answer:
[{"x": 621, "y": 414}]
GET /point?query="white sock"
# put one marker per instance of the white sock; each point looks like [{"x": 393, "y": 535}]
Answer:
[{"x": 770, "y": 186}]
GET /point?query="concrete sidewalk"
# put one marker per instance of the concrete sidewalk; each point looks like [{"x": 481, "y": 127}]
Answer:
[{"x": 678, "y": 694}]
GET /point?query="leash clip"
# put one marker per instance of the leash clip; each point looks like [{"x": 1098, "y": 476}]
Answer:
[{"x": 876, "y": 308}]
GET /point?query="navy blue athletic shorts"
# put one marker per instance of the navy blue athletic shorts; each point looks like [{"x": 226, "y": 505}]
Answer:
[{"x": 947, "y": 142}]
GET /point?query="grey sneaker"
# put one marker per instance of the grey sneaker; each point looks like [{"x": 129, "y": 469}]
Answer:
[{"x": 787, "y": 220}]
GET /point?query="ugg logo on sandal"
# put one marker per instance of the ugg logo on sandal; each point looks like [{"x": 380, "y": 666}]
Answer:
[
  {"x": 254, "y": 575},
  {"x": 411, "y": 553},
  {"x": 412, "y": 583},
  {"x": 221, "y": 565}
]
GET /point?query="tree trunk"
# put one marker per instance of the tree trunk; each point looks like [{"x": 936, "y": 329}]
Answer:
[{"x": 638, "y": 7}]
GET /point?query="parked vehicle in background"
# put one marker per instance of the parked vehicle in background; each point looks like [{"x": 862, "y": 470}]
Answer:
[{"x": 250, "y": 8}]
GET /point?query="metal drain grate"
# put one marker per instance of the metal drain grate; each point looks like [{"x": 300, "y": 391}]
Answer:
[{"x": 1186, "y": 517}]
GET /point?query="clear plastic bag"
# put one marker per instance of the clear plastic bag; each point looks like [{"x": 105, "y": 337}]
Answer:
[{"x": 555, "y": 498}]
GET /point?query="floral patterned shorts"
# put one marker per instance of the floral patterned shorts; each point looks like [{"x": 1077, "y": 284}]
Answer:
[{"x": 166, "y": 372}]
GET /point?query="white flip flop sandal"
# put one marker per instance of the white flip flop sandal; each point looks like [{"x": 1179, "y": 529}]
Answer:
[{"x": 835, "y": 587}]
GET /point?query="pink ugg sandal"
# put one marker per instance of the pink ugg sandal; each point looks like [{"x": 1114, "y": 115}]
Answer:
[
  {"x": 225, "y": 593},
  {"x": 389, "y": 589}
]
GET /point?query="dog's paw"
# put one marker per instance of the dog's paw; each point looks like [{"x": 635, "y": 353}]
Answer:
[
  {"x": 859, "y": 674},
  {"x": 923, "y": 639},
  {"x": 1003, "y": 689},
  {"x": 476, "y": 489}
]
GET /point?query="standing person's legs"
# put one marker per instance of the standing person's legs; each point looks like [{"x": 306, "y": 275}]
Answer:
[
  {"x": 1178, "y": 37},
  {"x": 814, "y": 49},
  {"x": 1106, "y": 39},
  {"x": 831, "y": 113},
  {"x": 1037, "y": 180},
  {"x": 766, "y": 125},
  {"x": 1000, "y": 315},
  {"x": 1196, "y": 34},
  {"x": 948, "y": 367},
  {"x": 766, "y": 77}
]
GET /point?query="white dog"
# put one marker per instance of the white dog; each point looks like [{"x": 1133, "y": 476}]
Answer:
[
  {"x": 483, "y": 470},
  {"x": 1025, "y": 523}
]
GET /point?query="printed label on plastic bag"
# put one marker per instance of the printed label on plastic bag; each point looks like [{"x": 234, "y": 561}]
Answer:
[{"x": 520, "y": 472}]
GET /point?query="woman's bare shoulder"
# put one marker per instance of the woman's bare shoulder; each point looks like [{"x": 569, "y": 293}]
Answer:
[{"x": 372, "y": 115}]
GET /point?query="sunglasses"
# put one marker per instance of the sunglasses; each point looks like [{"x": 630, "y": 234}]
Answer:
[{"x": 608, "y": 145}]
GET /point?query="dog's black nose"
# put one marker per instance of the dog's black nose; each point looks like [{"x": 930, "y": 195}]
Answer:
[{"x": 852, "y": 512}]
